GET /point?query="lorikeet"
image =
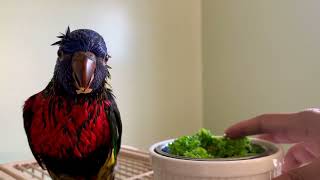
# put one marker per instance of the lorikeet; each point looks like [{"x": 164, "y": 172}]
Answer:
[{"x": 73, "y": 126}]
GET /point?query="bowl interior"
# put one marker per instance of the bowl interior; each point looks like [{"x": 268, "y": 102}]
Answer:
[{"x": 163, "y": 149}]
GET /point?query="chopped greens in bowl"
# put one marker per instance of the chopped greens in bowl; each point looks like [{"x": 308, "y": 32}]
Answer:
[{"x": 204, "y": 145}]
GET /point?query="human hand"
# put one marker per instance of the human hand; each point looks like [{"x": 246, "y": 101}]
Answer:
[{"x": 303, "y": 128}]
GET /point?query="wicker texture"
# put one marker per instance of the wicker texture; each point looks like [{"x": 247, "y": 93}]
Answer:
[{"x": 132, "y": 165}]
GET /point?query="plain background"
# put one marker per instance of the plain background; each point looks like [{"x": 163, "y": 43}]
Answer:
[
  {"x": 156, "y": 63},
  {"x": 177, "y": 65},
  {"x": 259, "y": 56}
]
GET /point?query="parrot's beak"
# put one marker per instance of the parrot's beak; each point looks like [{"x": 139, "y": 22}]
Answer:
[{"x": 83, "y": 66}]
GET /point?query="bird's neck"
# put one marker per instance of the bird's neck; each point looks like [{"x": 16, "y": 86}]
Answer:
[{"x": 54, "y": 88}]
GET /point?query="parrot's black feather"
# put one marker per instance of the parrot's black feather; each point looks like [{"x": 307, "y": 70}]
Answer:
[
  {"x": 56, "y": 43},
  {"x": 68, "y": 31},
  {"x": 28, "y": 114},
  {"x": 82, "y": 40},
  {"x": 85, "y": 167},
  {"x": 62, "y": 37},
  {"x": 115, "y": 121}
]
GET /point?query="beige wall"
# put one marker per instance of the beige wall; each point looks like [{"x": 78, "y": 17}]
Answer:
[
  {"x": 156, "y": 75},
  {"x": 259, "y": 56}
]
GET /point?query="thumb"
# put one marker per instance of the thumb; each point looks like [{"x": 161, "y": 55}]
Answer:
[{"x": 307, "y": 172}]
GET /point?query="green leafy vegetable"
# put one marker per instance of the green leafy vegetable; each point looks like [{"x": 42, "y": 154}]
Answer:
[
  {"x": 205, "y": 145},
  {"x": 198, "y": 152}
]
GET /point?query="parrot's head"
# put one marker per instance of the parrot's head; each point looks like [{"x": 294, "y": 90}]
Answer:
[{"x": 81, "y": 66}]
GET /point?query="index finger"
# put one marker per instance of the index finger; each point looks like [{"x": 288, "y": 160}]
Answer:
[{"x": 263, "y": 124}]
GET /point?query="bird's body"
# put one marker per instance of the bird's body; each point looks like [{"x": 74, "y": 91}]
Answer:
[{"x": 74, "y": 135}]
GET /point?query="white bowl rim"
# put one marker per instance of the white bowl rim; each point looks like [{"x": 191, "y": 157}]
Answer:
[
  {"x": 279, "y": 150},
  {"x": 209, "y": 168}
]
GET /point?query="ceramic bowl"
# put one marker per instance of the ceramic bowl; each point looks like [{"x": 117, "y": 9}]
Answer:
[{"x": 261, "y": 167}]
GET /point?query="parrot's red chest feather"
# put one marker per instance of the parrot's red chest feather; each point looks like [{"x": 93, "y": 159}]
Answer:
[{"x": 67, "y": 129}]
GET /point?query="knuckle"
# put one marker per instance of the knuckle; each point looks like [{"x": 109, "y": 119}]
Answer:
[
  {"x": 303, "y": 114},
  {"x": 306, "y": 118},
  {"x": 311, "y": 119},
  {"x": 314, "y": 110},
  {"x": 311, "y": 112}
]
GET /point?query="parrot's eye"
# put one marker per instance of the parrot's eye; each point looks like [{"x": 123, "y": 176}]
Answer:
[
  {"x": 106, "y": 58},
  {"x": 60, "y": 54}
]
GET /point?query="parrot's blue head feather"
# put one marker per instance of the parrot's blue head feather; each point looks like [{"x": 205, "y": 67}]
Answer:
[
  {"x": 82, "y": 40},
  {"x": 76, "y": 50}
]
